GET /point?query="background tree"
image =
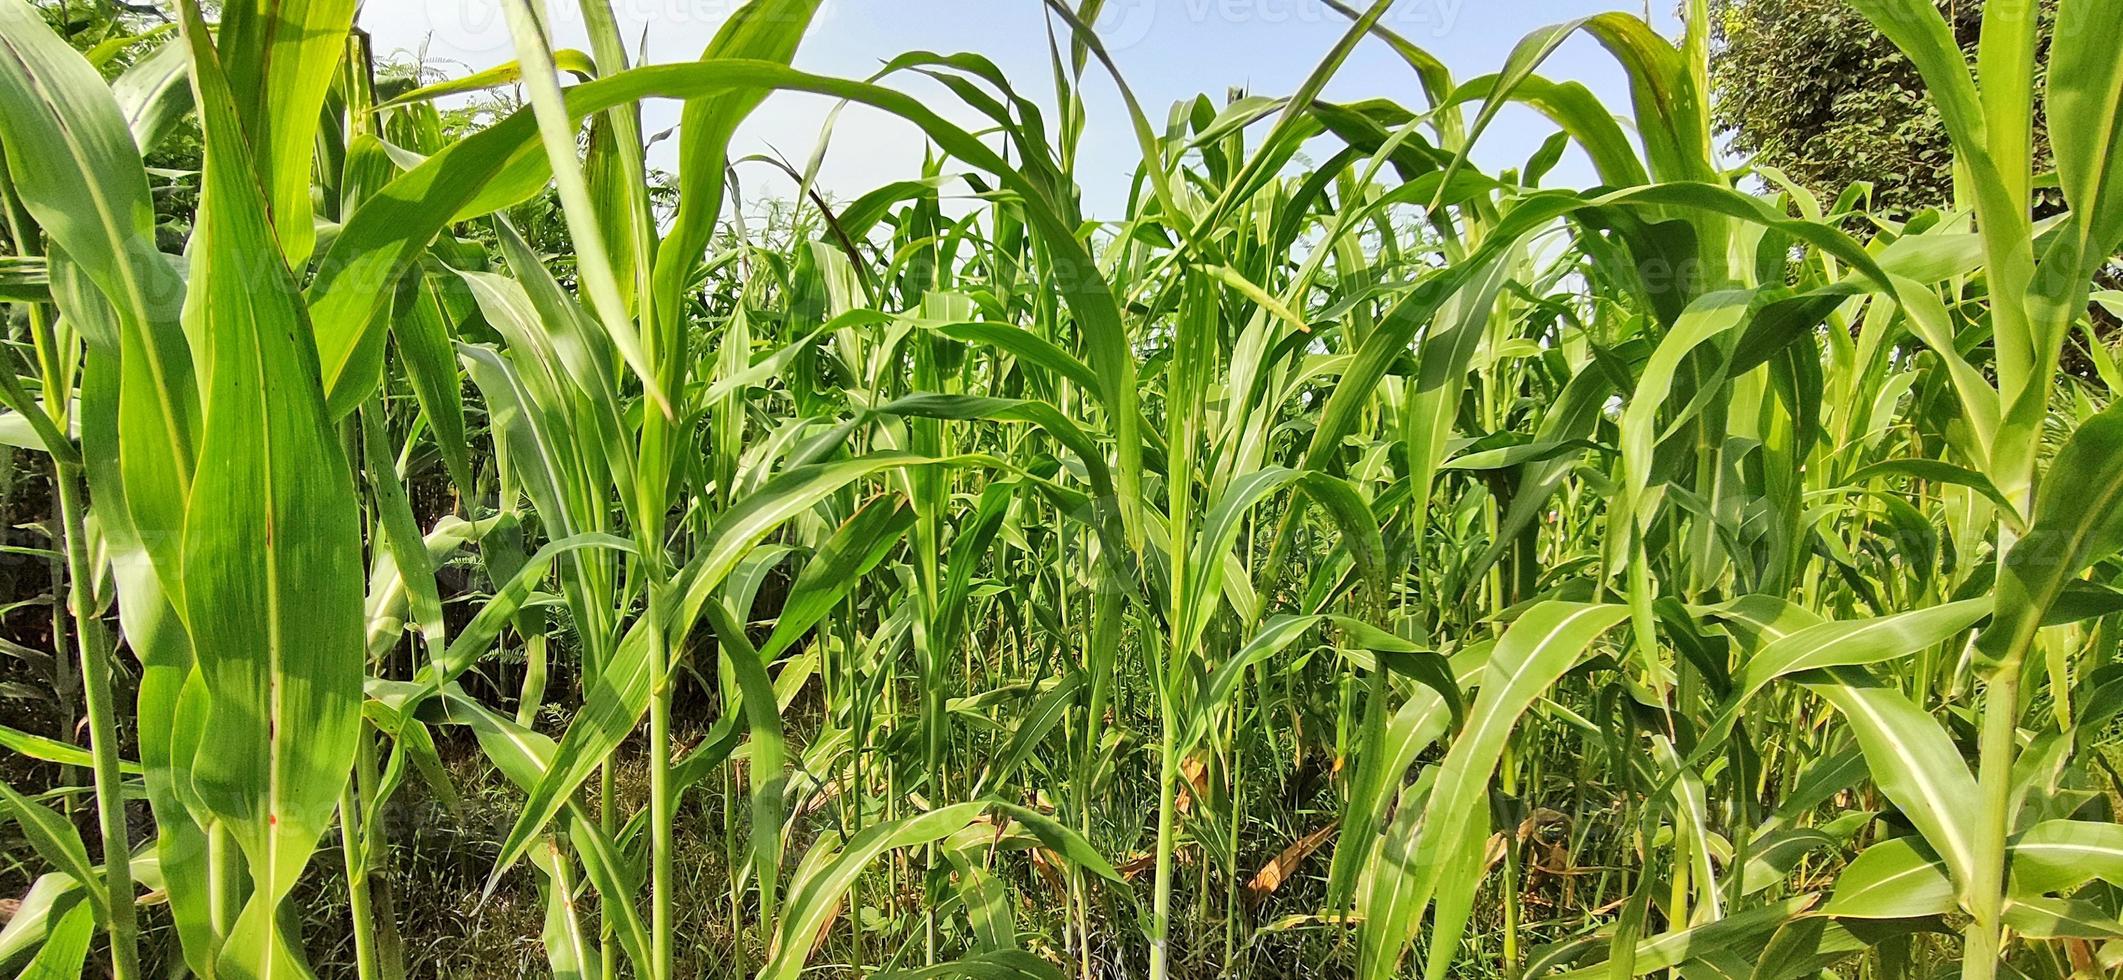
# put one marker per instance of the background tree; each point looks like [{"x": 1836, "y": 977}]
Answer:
[
  {"x": 1813, "y": 90},
  {"x": 1810, "y": 88}
]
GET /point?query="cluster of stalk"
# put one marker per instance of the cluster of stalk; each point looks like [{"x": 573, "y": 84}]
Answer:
[{"x": 1346, "y": 560}]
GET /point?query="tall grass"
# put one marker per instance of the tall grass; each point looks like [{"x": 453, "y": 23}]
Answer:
[{"x": 1349, "y": 562}]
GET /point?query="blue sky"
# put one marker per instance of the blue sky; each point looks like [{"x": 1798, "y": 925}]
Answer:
[{"x": 1167, "y": 49}]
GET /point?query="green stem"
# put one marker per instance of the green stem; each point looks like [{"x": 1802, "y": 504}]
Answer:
[
  {"x": 1512, "y": 844},
  {"x": 1238, "y": 809},
  {"x": 366, "y": 965},
  {"x": 96, "y": 655},
  {"x": 532, "y": 695},
  {"x": 662, "y": 812},
  {"x": 390, "y": 946},
  {"x": 608, "y": 821},
  {"x": 1161, "y": 905},
  {"x": 1985, "y": 935},
  {"x": 731, "y": 861}
]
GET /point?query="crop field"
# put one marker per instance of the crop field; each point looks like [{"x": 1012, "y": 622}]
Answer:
[{"x": 452, "y": 531}]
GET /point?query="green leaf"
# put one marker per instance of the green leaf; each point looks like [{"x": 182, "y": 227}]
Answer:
[
  {"x": 1741, "y": 934},
  {"x": 423, "y": 339},
  {"x": 569, "y": 949},
  {"x": 2085, "y": 101},
  {"x": 2057, "y": 856},
  {"x": 76, "y": 169},
  {"x": 280, "y": 56},
  {"x": 2078, "y": 520},
  {"x": 855, "y": 548},
  {"x": 2053, "y": 918},
  {"x": 42, "y": 912},
  {"x": 1912, "y": 761},
  {"x": 814, "y": 896},
  {"x": 1444, "y": 860},
  {"x": 619, "y": 695},
  {"x": 1420, "y": 720},
  {"x": 1001, "y": 964},
  {"x": 1841, "y": 643},
  {"x": 1893, "y": 879},
  {"x": 64, "y": 954},
  {"x": 272, "y": 546},
  {"x": 1936, "y": 471},
  {"x": 507, "y": 73},
  {"x": 523, "y": 756},
  {"x": 154, "y": 95},
  {"x": 52, "y": 750},
  {"x": 57, "y": 842}
]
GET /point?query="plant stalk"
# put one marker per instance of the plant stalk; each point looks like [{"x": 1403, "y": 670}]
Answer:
[
  {"x": 1985, "y": 934},
  {"x": 96, "y": 666}
]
